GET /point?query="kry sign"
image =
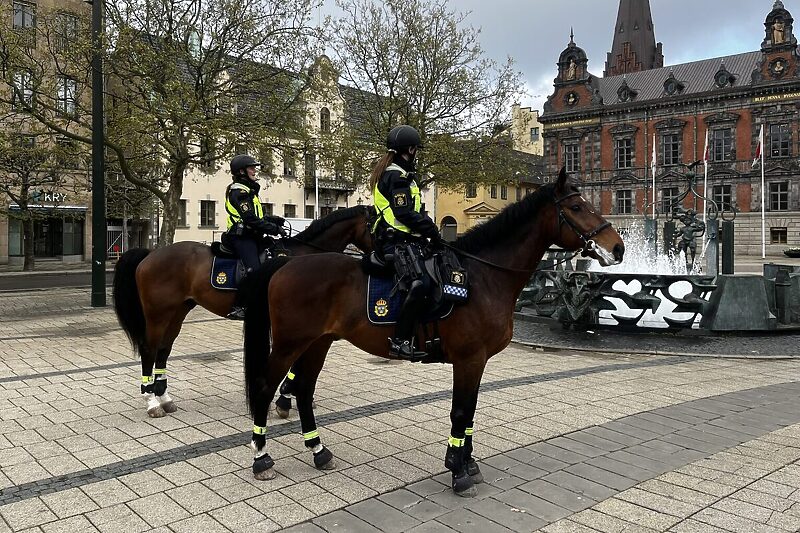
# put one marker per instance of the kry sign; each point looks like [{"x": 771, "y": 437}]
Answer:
[{"x": 48, "y": 196}]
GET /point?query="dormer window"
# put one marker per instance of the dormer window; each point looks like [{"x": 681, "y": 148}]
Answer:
[
  {"x": 672, "y": 86},
  {"x": 723, "y": 78},
  {"x": 625, "y": 93}
]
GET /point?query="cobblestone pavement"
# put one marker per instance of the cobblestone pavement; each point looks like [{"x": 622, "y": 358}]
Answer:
[{"x": 569, "y": 441}]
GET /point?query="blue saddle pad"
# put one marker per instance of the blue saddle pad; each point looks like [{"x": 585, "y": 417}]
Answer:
[
  {"x": 383, "y": 309},
  {"x": 223, "y": 273}
]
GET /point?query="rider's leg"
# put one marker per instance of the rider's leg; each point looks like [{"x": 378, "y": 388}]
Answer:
[
  {"x": 402, "y": 345},
  {"x": 247, "y": 250}
]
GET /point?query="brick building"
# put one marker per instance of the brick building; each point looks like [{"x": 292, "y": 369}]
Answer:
[{"x": 603, "y": 128}]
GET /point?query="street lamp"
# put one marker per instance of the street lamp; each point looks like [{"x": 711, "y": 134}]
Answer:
[{"x": 98, "y": 170}]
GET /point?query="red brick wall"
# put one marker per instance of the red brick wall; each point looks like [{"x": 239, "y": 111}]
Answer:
[
  {"x": 605, "y": 202},
  {"x": 744, "y": 196}
]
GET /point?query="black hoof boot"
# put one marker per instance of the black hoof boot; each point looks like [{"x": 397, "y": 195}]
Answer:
[
  {"x": 283, "y": 405},
  {"x": 323, "y": 459},
  {"x": 474, "y": 471},
  {"x": 262, "y": 467},
  {"x": 463, "y": 485}
]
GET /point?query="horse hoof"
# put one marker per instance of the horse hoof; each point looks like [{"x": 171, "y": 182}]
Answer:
[
  {"x": 282, "y": 413},
  {"x": 474, "y": 472},
  {"x": 283, "y": 405},
  {"x": 464, "y": 486},
  {"x": 265, "y": 475},
  {"x": 156, "y": 412},
  {"x": 323, "y": 459},
  {"x": 169, "y": 407}
]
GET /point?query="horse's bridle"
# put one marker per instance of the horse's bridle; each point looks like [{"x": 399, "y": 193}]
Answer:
[{"x": 587, "y": 238}]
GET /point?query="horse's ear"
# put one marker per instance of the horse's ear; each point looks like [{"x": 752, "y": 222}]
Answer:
[{"x": 563, "y": 178}]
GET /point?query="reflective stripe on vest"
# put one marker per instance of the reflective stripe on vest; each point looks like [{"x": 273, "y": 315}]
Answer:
[
  {"x": 384, "y": 207},
  {"x": 233, "y": 211}
]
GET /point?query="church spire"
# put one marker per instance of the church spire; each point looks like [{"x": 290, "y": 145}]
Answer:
[{"x": 634, "y": 47}]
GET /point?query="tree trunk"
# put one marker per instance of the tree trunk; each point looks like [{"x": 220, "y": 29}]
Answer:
[
  {"x": 171, "y": 207},
  {"x": 27, "y": 241}
]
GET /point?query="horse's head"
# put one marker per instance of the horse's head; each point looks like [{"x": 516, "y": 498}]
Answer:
[{"x": 582, "y": 228}]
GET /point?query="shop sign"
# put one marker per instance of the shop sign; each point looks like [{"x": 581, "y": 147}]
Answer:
[{"x": 48, "y": 196}]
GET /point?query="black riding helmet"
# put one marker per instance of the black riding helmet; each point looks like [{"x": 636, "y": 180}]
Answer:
[
  {"x": 402, "y": 137},
  {"x": 241, "y": 162}
]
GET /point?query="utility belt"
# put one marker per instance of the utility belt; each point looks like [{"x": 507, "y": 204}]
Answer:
[{"x": 237, "y": 229}]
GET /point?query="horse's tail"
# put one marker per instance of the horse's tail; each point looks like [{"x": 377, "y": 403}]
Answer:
[
  {"x": 257, "y": 327},
  {"x": 127, "y": 304}
]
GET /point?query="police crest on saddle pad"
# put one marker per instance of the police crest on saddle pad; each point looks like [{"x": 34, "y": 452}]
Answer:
[{"x": 381, "y": 308}]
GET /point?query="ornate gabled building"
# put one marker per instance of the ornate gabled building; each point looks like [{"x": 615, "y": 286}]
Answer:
[{"x": 603, "y": 128}]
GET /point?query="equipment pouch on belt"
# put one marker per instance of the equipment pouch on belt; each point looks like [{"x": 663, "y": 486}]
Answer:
[{"x": 455, "y": 284}]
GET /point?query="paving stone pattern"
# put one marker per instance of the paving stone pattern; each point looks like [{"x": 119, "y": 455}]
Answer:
[{"x": 569, "y": 441}]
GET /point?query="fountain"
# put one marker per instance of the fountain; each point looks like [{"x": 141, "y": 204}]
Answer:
[{"x": 664, "y": 288}]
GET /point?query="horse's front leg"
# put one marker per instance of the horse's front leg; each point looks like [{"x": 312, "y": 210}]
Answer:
[
  {"x": 283, "y": 405},
  {"x": 466, "y": 380}
]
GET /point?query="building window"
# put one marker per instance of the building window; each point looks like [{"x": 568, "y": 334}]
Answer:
[
  {"x": 24, "y": 15},
  {"x": 67, "y": 153},
  {"x": 265, "y": 158},
  {"x": 668, "y": 196},
  {"x": 472, "y": 190},
  {"x": 23, "y": 85},
  {"x": 534, "y": 135},
  {"x": 779, "y": 196},
  {"x": 493, "y": 191},
  {"x": 66, "y": 89},
  {"x": 721, "y": 194},
  {"x": 269, "y": 209},
  {"x": 624, "y": 202},
  {"x": 289, "y": 211},
  {"x": 309, "y": 211},
  {"x": 288, "y": 163},
  {"x": 310, "y": 165},
  {"x": 325, "y": 120},
  {"x": 66, "y": 31},
  {"x": 623, "y": 153},
  {"x": 722, "y": 144},
  {"x": 572, "y": 158},
  {"x": 182, "y": 213},
  {"x": 207, "y": 213},
  {"x": 779, "y": 141},
  {"x": 778, "y": 235},
  {"x": 73, "y": 236},
  {"x": 504, "y": 192},
  {"x": 518, "y": 192},
  {"x": 671, "y": 154}
]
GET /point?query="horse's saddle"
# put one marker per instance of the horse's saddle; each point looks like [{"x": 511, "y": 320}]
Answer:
[
  {"x": 227, "y": 269},
  {"x": 386, "y": 282}
]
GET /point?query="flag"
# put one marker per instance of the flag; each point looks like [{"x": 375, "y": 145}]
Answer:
[
  {"x": 706, "y": 153},
  {"x": 759, "y": 147}
]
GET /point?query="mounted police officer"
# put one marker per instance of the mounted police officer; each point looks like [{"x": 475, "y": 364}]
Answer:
[
  {"x": 403, "y": 229},
  {"x": 247, "y": 223}
]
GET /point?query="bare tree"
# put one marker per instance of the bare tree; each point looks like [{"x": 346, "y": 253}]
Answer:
[
  {"x": 417, "y": 62},
  {"x": 187, "y": 80}
]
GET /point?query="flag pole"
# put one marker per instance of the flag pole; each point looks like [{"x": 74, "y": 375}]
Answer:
[
  {"x": 763, "y": 199},
  {"x": 316, "y": 196},
  {"x": 653, "y": 172}
]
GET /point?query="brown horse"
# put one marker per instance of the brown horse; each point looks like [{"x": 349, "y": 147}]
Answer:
[
  {"x": 154, "y": 291},
  {"x": 306, "y": 312}
]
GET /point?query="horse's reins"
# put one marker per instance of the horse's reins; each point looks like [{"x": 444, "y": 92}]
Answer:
[{"x": 588, "y": 242}]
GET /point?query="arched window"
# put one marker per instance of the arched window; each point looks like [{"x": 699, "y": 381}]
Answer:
[{"x": 325, "y": 120}]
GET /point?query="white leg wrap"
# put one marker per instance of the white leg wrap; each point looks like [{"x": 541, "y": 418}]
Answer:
[
  {"x": 258, "y": 453},
  {"x": 316, "y": 449},
  {"x": 151, "y": 400},
  {"x": 164, "y": 398}
]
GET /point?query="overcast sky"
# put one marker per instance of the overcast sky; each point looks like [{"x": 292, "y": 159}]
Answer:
[{"x": 534, "y": 32}]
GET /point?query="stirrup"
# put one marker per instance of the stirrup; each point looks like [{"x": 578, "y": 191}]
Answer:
[
  {"x": 236, "y": 313},
  {"x": 404, "y": 350}
]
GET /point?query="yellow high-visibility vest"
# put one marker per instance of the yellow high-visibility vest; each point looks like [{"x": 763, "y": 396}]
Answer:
[
  {"x": 384, "y": 206},
  {"x": 233, "y": 211}
]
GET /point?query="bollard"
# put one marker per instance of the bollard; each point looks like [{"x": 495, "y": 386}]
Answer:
[
  {"x": 712, "y": 248},
  {"x": 669, "y": 237},
  {"x": 782, "y": 288},
  {"x": 651, "y": 234}
]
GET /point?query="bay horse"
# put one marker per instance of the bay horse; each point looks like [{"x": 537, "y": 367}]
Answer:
[
  {"x": 155, "y": 290},
  {"x": 304, "y": 312}
]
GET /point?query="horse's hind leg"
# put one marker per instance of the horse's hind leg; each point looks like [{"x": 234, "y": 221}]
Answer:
[
  {"x": 308, "y": 368},
  {"x": 160, "y": 384},
  {"x": 283, "y": 405}
]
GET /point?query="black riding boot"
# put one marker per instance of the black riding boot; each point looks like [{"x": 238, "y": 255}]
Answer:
[
  {"x": 239, "y": 308},
  {"x": 402, "y": 345}
]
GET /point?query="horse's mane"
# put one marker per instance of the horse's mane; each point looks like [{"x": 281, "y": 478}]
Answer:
[
  {"x": 322, "y": 224},
  {"x": 501, "y": 226}
]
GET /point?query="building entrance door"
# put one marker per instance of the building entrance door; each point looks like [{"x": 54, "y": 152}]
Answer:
[{"x": 48, "y": 237}]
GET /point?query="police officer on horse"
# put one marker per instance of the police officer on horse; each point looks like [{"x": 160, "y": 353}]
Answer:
[
  {"x": 403, "y": 229},
  {"x": 248, "y": 226}
]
